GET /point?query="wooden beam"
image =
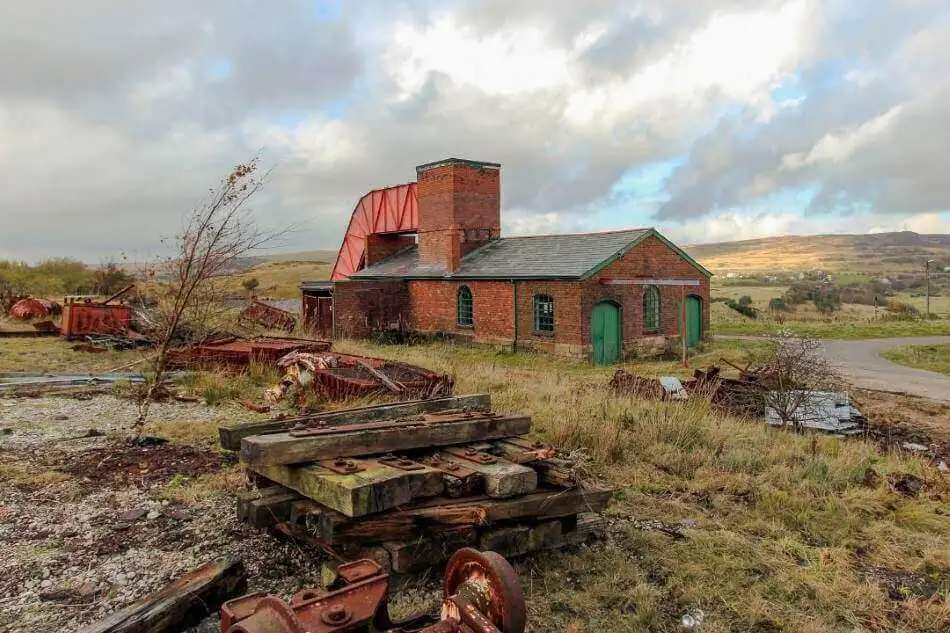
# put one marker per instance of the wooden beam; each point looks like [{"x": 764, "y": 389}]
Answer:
[
  {"x": 181, "y": 604},
  {"x": 438, "y": 513},
  {"x": 429, "y": 550},
  {"x": 231, "y": 435},
  {"x": 502, "y": 478},
  {"x": 286, "y": 448},
  {"x": 374, "y": 488},
  {"x": 650, "y": 282}
]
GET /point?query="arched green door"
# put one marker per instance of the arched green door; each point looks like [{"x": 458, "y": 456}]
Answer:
[
  {"x": 605, "y": 332},
  {"x": 694, "y": 321}
]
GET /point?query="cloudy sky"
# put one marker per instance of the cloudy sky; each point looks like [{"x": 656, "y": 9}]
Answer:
[{"x": 710, "y": 119}]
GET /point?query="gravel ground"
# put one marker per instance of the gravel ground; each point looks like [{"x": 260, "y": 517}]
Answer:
[{"x": 79, "y": 547}]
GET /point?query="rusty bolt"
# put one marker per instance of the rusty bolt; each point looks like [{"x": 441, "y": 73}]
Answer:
[
  {"x": 451, "y": 466},
  {"x": 405, "y": 462},
  {"x": 339, "y": 461},
  {"x": 335, "y": 614},
  {"x": 471, "y": 451}
]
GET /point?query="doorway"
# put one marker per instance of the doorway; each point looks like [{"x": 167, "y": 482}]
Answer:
[{"x": 605, "y": 332}]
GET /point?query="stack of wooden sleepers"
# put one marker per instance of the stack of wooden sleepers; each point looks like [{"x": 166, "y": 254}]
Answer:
[{"x": 409, "y": 483}]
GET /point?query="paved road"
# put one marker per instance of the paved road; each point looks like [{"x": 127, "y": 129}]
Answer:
[{"x": 861, "y": 362}]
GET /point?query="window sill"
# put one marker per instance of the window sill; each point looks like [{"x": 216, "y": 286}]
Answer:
[
  {"x": 542, "y": 334},
  {"x": 470, "y": 326}
]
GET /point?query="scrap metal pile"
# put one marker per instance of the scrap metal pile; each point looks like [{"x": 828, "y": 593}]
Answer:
[
  {"x": 753, "y": 394},
  {"x": 481, "y": 594},
  {"x": 237, "y": 354},
  {"x": 406, "y": 484},
  {"x": 342, "y": 376},
  {"x": 268, "y": 316}
]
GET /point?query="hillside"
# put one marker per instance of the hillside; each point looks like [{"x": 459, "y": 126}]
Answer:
[{"x": 871, "y": 253}]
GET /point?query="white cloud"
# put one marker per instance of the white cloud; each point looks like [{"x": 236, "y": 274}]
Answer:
[{"x": 836, "y": 148}]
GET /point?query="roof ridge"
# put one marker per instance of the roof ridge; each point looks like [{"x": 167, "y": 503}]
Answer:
[{"x": 612, "y": 232}]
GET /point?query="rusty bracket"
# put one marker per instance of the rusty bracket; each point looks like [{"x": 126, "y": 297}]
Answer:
[
  {"x": 471, "y": 454},
  {"x": 401, "y": 463},
  {"x": 450, "y": 468},
  {"x": 342, "y": 465},
  {"x": 532, "y": 451}
]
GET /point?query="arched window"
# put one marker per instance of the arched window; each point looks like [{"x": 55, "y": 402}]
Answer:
[
  {"x": 464, "y": 307},
  {"x": 543, "y": 313},
  {"x": 651, "y": 309}
]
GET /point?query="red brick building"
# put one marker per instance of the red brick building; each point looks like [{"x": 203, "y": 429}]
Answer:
[{"x": 602, "y": 296}]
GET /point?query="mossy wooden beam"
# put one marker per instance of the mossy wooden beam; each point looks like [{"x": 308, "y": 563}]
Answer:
[
  {"x": 375, "y": 488},
  {"x": 230, "y": 435},
  {"x": 292, "y": 448},
  {"x": 502, "y": 478}
]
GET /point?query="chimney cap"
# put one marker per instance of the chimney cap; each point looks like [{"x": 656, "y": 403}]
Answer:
[{"x": 478, "y": 164}]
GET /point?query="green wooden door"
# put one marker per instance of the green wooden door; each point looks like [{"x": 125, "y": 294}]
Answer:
[
  {"x": 605, "y": 332},
  {"x": 694, "y": 321}
]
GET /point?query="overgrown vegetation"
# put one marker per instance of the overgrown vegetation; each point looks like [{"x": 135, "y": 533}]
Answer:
[
  {"x": 216, "y": 236},
  {"x": 786, "y": 532},
  {"x": 930, "y": 357},
  {"x": 57, "y": 277}
]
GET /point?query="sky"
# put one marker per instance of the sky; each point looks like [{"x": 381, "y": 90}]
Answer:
[{"x": 712, "y": 120}]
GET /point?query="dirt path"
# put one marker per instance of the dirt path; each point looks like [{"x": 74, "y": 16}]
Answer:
[{"x": 862, "y": 363}]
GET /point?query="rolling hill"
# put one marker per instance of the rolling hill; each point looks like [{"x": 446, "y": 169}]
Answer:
[{"x": 874, "y": 253}]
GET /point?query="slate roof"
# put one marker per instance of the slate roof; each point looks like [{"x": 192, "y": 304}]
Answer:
[{"x": 566, "y": 256}]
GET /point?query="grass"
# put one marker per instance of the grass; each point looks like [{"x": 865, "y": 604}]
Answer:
[
  {"x": 786, "y": 532},
  {"x": 930, "y": 357},
  {"x": 279, "y": 279},
  {"x": 836, "y": 329},
  {"x": 791, "y": 534}
]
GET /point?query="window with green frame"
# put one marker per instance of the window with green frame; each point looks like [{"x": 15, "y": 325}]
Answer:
[
  {"x": 651, "y": 309},
  {"x": 464, "y": 308},
  {"x": 543, "y": 313}
]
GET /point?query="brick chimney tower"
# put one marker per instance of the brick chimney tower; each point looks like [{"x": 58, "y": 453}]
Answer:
[{"x": 459, "y": 209}]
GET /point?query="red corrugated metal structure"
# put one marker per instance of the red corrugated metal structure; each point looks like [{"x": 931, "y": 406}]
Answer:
[
  {"x": 389, "y": 211},
  {"x": 82, "y": 318},
  {"x": 31, "y": 308}
]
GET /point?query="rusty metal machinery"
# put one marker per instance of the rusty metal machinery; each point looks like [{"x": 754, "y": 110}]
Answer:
[{"x": 481, "y": 594}]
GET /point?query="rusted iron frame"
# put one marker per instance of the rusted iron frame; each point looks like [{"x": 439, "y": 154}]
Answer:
[
  {"x": 481, "y": 594},
  {"x": 379, "y": 211}
]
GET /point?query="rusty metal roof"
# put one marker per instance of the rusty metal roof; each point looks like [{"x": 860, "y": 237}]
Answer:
[{"x": 566, "y": 256}]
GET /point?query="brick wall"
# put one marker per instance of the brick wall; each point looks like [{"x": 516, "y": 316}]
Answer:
[
  {"x": 430, "y": 306},
  {"x": 459, "y": 209},
  {"x": 379, "y": 247},
  {"x": 567, "y": 338},
  {"x": 359, "y": 307},
  {"x": 434, "y": 309},
  {"x": 650, "y": 259}
]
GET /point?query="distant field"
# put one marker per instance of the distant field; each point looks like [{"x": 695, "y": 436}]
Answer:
[
  {"x": 280, "y": 279},
  {"x": 850, "y": 254}
]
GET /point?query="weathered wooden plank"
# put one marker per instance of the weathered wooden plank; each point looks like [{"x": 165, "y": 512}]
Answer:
[
  {"x": 263, "y": 506},
  {"x": 284, "y": 448},
  {"x": 502, "y": 478},
  {"x": 180, "y": 604},
  {"x": 511, "y": 540},
  {"x": 439, "y": 513},
  {"x": 231, "y": 435},
  {"x": 552, "y": 470},
  {"x": 375, "y": 488},
  {"x": 430, "y": 549}
]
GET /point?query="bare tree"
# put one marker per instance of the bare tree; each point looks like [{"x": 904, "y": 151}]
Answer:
[
  {"x": 215, "y": 237},
  {"x": 796, "y": 368}
]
